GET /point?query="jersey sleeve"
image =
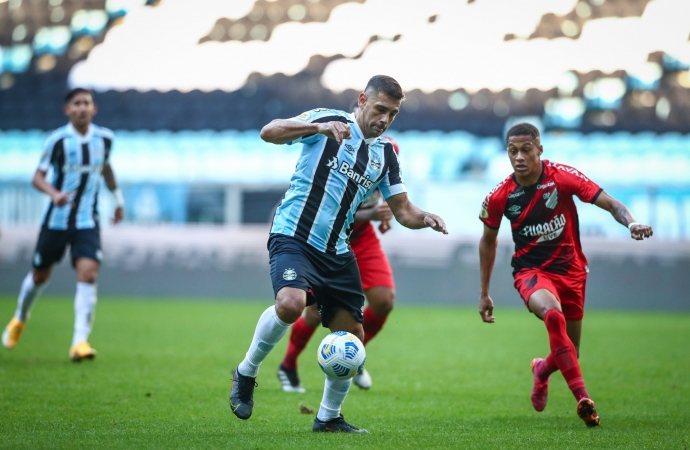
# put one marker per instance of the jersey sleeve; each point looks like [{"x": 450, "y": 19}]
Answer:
[
  {"x": 316, "y": 116},
  {"x": 492, "y": 207},
  {"x": 392, "y": 183},
  {"x": 47, "y": 155},
  {"x": 576, "y": 183}
]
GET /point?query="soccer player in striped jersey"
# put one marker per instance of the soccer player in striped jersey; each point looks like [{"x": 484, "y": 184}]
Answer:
[
  {"x": 343, "y": 161},
  {"x": 377, "y": 282},
  {"x": 77, "y": 154},
  {"x": 550, "y": 269}
]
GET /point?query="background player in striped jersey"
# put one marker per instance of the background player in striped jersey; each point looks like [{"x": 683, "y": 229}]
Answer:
[
  {"x": 550, "y": 269},
  {"x": 377, "y": 282},
  {"x": 78, "y": 155},
  {"x": 343, "y": 160}
]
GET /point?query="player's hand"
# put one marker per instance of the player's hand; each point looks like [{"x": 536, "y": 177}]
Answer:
[
  {"x": 486, "y": 309},
  {"x": 61, "y": 198},
  {"x": 118, "y": 215},
  {"x": 381, "y": 212},
  {"x": 335, "y": 130},
  {"x": 639, "y": 232},
  {"x": 384, "y": 226},
  {"x": 435, "y": 223}
]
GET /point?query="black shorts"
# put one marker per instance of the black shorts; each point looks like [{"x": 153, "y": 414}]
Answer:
[
  {"x": 333, "y": 279},
  {"x": 52, "y": 244}
]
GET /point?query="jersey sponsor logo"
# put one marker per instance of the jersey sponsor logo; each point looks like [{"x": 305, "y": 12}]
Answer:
[
  {"x": 551, "y": 198},
  {"x": 571, "y": 170},
  {"x": 289, "y": 274},
  {"x": 515, "y": 209},
  {"x": 346, "y": 169},
  {"x": 333, "y": 163},
  {"x": 516, "y": 194},
  {"x": 547, "y": 185},
  {"x": 80, "y": 168},
  {"x": 546, "y": 231}
]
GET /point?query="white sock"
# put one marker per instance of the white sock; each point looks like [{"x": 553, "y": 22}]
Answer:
[
  {"x": 334, "y": 393},
  {"x": 28, "y": 293},
  {"x": 269, "y": 331},
  {"x": 84, "y": 311}
]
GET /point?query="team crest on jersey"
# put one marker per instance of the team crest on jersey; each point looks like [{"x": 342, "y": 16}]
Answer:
[
  {"x": 37, "y": 259},
  {"x": 289, "y": 274},
  {"x": 375, "y": 163},
  {"x": 551, "y": 199}
]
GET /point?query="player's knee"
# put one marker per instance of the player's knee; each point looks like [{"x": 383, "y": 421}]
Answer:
[
  {"x": 40, "y": 276},
  {"x": 88, "y": 276},
  {"x": 381, "y": 301},
  {"x": 289, "y": 306}
]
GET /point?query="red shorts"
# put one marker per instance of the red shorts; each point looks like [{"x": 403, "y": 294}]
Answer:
[
  {"x": 569, "y": 290},
  {"x": 374, "y": 267}
]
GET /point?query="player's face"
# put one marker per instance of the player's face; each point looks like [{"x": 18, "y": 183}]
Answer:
[
  {"x": 80, "y": 110},
  {"x": 377, "y": 113},
  {"x": 525, "y": 155}
]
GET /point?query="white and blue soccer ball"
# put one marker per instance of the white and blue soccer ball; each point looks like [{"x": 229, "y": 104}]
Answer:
[{"x": 341, "y": 355}]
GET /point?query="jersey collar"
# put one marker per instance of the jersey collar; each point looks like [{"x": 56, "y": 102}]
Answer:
[{"x": 83, "y": 138}]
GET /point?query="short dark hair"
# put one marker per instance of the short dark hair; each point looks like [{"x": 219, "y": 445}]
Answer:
[
  {"x": 386, "y": 85},
  {"x": 522, "y": 129},
  {"x": 73, "y": 93}
]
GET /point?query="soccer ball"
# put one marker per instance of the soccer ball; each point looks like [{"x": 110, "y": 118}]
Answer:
[{"x": 341, "y": 355}]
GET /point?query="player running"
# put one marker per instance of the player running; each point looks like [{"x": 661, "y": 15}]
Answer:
[
  {"x": 377, "y": 282},
  {"x": 78, "y": 154},
  {"x": 549, "y": 268},
  {"x": 342, "y": 162}
]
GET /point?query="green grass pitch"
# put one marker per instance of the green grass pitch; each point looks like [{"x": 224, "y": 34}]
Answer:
[{"x": 442, "y": 379}]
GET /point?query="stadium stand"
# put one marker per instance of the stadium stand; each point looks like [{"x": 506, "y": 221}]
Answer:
[{"x": 136, "y": 52}]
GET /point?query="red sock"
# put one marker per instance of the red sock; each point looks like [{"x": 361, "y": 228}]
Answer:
[
  {"x": 372, "y": 324},
  {"x": 564, "y": 353},
  {"x": 299, "y": 336}
]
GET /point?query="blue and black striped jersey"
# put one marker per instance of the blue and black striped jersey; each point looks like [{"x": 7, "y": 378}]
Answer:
[
  {"x": 77, "y": 162},
  {"x": 331, "y": 180}
]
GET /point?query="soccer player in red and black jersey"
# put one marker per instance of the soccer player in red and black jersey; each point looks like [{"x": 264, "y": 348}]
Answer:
[
  {"x": 549, "y": 267},
  {"x": 377, "y": 282}
]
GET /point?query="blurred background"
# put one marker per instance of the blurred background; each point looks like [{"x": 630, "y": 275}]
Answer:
[{"x": 186, "y": 85}]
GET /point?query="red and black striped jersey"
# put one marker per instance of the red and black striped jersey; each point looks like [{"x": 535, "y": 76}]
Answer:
[{"x": 543, "y": 217}]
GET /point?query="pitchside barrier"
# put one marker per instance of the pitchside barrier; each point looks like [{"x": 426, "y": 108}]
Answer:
[{"x": 223, "y": 262}]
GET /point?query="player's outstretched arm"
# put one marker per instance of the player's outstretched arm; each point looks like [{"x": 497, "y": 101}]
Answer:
[
  {"x": 111, "y": 182},
  {"x": 410, "y": 216},
  {"x": 623, "y": 216},
  {"x": 39, "y": 181},
  {"x": 487, "y": 257},
  {"x": 282, "y": 131}
]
